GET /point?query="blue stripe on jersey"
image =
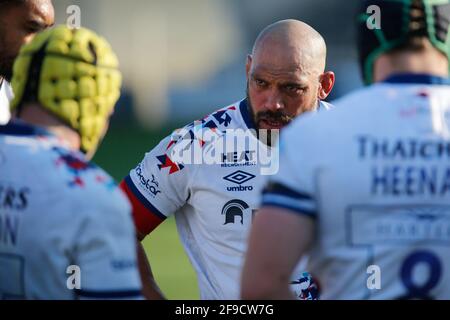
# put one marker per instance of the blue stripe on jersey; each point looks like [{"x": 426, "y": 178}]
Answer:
[
  {"x": 416, "y": 78},
  {"x": 276, "y": 188},
  {"x": 246, "y": 114},
  {"x": 142, "y": 199},
  {"x": 308, "y": 205},
  {"x": 19, "y": 128},
  {"x": 304, "y": 208},
  {"x": 124, "y": 294}
]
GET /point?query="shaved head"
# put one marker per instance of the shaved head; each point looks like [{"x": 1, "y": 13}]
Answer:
[
  {"x": 294, "y": 40},
  {"x": 286, "y": 73}
]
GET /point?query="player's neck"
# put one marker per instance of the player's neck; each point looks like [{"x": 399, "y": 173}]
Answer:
[
  {"x": 428, "y": 62},
  {"x": 37, "y": 116}
]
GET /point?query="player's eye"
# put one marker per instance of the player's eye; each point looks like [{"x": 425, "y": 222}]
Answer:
[
  {"x": 294, "y": 89},
  {"x": 30, "y": 30},
  {"x": 260, "y": 83},
  {"x": 33, "y": 28}
]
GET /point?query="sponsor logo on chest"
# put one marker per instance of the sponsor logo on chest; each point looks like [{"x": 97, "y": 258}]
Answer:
[{"x": 238, "y": 178}]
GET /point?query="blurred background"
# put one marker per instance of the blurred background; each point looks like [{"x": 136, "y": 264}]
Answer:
[{"x": 182, "y": 60}]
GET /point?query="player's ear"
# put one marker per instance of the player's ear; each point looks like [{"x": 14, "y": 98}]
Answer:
[
  {"x": 326, "y": 84},
  {"x": 248, "y": 66}
]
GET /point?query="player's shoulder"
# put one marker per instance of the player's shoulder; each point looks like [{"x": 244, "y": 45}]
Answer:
[
  {"x": 57, "y": 175},
  {"x": 90, "y": 192},
  {"x": 55, "y": 168},
  {"x": 28, "y": 147},
  {"x": 346, "y": 107},
  {"x": 84, "y": 180},
  {"x": 226, "y": 117},
  {"x": 218, "y": 122},
  {"x": 178, "y": 149},
  {"x": 314, "y": 129},
  {"x": 361, "y": 97}
]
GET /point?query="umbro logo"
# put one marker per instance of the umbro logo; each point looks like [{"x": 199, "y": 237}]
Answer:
[{"x": 239, "y": 177}]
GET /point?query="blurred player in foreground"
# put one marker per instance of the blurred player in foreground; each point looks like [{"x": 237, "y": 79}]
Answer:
[
  {"x": 20, "y": 20},
  {"x": 213, "y": 188},
  {"x": 370, "y": 200},
  {"x": 61, "y": 217}
]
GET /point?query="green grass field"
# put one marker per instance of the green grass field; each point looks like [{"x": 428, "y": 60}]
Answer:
[{"x": 121, "y": 150}]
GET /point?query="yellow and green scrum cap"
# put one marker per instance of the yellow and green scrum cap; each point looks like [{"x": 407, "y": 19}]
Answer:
[{"x": 72, "y": 73}]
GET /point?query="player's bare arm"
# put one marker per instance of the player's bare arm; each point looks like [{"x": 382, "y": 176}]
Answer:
[
  {"x": 150, "y": 288},
  {"x": 268, "y": 266}
]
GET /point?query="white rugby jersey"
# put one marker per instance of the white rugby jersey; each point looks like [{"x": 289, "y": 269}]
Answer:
[
  {"x": 66, "y": 230},
  {"x": 212, "y": 190},
  {"x": 375, "y": 175},
  {"x": 6, "y": 96}
]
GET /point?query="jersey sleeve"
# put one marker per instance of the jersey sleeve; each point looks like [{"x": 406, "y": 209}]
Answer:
[
  {"x": 106, "y": 250},
  {"x": 293, "y": 186},
  {"x": 157, "y": 187}
]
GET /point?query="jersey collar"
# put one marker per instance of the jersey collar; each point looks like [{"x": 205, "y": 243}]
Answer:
[
  {"x": 246, "y": 114},
  {"x": 417, "y": 78},
  {"x": 20, "y": 128}
]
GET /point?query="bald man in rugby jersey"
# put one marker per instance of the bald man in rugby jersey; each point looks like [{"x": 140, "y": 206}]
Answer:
[{"x": 214, "y": 201}]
